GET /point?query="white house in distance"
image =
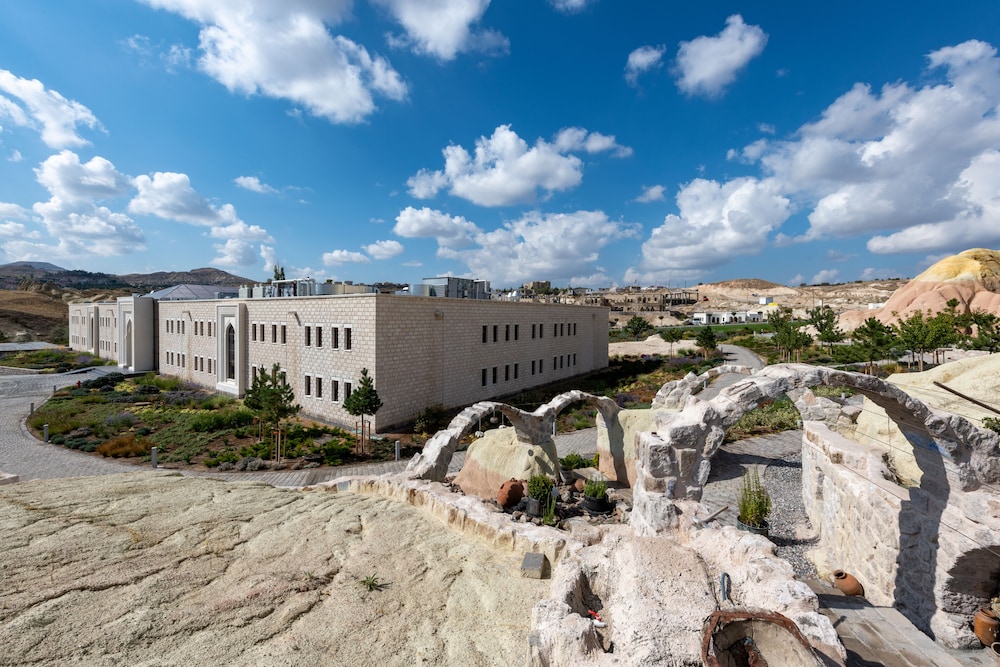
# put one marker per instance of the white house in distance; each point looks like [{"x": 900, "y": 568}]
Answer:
[
  {"x": 730, "y": 317},
  {"x": 420, "y": 351}
]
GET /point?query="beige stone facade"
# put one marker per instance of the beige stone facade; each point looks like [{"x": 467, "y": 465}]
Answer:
[{"x": 420, "y": 351}]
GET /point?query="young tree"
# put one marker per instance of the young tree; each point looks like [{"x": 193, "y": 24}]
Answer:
[
  {"x": 364, "y": 399},
  {"x": 279, "y": 272},
  {"x": 707, "y": 341},
  {"x": 874, "y": 340},
  {"x": 671, "y": 336},
  {"x": 271, "y": 398},
  {"x": 637, "y": 326},
  {"x": 825, "y": 321}
]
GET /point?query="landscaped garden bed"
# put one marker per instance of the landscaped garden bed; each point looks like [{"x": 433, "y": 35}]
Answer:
[{"x": 124, "y": 418}]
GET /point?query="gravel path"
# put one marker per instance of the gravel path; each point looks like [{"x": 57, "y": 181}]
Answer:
[{"x": 790, "y": 529}]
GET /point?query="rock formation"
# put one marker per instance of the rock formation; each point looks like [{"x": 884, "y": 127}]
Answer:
[{"x": 972, "y": 277}]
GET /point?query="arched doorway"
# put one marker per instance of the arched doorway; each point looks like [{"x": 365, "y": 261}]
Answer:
[{"x": 230, "y": 353}]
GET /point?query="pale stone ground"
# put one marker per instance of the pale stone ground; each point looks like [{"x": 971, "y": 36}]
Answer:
[
  {"x": 158, "y": 569},
  {"x": 652, "y": 345}
]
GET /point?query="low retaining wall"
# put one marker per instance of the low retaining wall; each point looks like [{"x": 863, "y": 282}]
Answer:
[
  {"x": 466, "y": 514},
  {"x": 931, "y": 551}
]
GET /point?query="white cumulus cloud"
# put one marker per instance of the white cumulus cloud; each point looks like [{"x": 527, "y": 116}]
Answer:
[
  {"x": 570, "y": 6},
  {"x": 254, "y": 184},
  {"x": 825, "y": 276},
  {"x": 651, "y": 193},
  {"x": 384, "y": 249},
  {"x": 553, "y": 246},
  {"x": 706, "y": 65},
  {"x": 338, "y": 257},
  {"x": 642, "y": 60},
  {"x": 28, "y": 103},
  {"x": 443, "y": 28},
  {"x": 449, "y": 231},
  {"x": 284, "y": 50},
  {"x": 169, "y": 195},
  {"x": 505, "y": 170},
  {"x": 716, "y": 222}
]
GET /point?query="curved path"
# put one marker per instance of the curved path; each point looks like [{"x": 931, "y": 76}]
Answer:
[{"x": 20, "y": 453}]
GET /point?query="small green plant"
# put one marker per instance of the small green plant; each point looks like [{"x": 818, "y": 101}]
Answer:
[
  {"x": 755, "y": 502},
  {"x": 992, "y": 423},
  {"x": 539, "y": 488},
  {"x": 372, "y": 583},
  {"x": 595, "y": 488},
  {"x": 549, "y": 514}
]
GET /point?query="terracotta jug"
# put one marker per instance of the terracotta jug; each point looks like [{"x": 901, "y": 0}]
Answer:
[
  {"x": 986, "y": 626},
  {"x": 847, "y": 584},
  {"x": 510, "y": 493}
]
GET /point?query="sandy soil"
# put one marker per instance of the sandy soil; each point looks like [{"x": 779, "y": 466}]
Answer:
[
  {"x": 652, "y": 345},
  {"x": 157, "y": 569}
]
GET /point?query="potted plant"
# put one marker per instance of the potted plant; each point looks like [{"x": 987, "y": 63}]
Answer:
[
  {"x": 755, "y": 504},
  {"x": 595, "y": 496},
  {"x": 539, "y": 490}
]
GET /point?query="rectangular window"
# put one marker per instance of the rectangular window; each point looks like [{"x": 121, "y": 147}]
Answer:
[
  {"x": 484, "y": 377},
  {"x": 284, "y": 378},
  {"x": 184, "y": 361},
  {"x": 319, "y": 336},
  {"x": 532, "y": 332},
  {"x": 335, "y": 332},
  {"x": 485, "y": 334},
  {"x": 562, "y": 360},
  {"x": 517, "y": 328},
  {"x": 347, "y": 343},
  {"x": 319, "y": 385},
  {"x": 541, "y": 365},
  {"x": 209, "y": 365},
  {"x": 347, "y": 389},
  {"x": 309, "y": 386},
  {"x": 274, "y": 333},
  {"x": 574, "y": 328},
  {"x": 506, "y": 332},
  {"x": 210, "y": 329},
  {"x": 495, "y": 328},
  {"x": 562, "y": 331},
  {"x": 555, "y": 363},
  {"x": 253, "y": 371},
  {"x": 555, "y": 329},
  {"x": 284, "y": 334},
  {"x": 335, "y": 390},
  {"x": 515, "y": 371},
  {"x": 541, "y": 331},
  {"x": 494, "y": 375},
  {"x": 308, "y": 336},
  {"x": 253, "y": 331},
  {"x": 506, "y": 373}
]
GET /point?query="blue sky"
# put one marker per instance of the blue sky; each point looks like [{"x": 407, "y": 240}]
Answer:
[{"x": 586, "y": 142}]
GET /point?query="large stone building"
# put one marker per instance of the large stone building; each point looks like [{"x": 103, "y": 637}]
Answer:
[{"x": 420, "y": 351}]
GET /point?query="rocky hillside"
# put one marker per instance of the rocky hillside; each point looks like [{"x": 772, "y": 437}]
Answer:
[{"x": 971, "y": 277}]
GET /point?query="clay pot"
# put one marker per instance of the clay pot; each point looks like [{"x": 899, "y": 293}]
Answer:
[
  {"x": 847, "y": 584},
  {"x": 579, "y": 485},
  {"x": 510, "y": 493},
  {"x": 986, "y": 626}
]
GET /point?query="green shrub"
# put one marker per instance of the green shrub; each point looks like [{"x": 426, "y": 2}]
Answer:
[
  {"x": 539, "y": 488},
  {"x": 219, "y": 421},
  {"x": 573, "y": 461},
  {"x": 430, "y": 420},
  {"x": 335, "y": 451},
  {"x": 992, "y": 423}
]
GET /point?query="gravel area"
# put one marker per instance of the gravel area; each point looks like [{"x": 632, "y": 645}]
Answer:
[{"x": 790, "y": 529}]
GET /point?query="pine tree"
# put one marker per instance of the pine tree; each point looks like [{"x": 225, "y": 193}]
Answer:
[
  {"x": 364, "y": 399},
  {"x": 270, "y": 397}
]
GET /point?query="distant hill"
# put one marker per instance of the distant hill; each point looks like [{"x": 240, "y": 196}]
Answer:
[
  {"x": 204, "y": 276},
  {"x": 26, "y": 276}
]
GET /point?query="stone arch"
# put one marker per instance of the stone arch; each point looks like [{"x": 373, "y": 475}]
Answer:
[{"x": 533, "y": 428}]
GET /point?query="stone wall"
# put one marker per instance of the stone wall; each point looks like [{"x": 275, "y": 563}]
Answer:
[
  {"x": 933, "y": 555},
  {"x": 420, "y": 351}
]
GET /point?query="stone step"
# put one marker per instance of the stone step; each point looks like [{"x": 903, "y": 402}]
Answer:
[{"x": 883, "y": 636}]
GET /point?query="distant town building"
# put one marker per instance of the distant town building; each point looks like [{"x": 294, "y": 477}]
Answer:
[{"x": 420, "y": 351}]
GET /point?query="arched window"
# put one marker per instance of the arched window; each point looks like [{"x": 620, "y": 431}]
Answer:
[{"x": 230, "y": 352}]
